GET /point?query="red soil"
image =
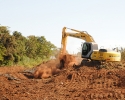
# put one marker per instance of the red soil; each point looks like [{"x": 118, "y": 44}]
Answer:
[{"x": 82, "y": 83}]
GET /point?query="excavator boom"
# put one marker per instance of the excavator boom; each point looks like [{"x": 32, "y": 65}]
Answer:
[
  {"x": 78, "y": 34},
  {"x": 75, "y": 33}
]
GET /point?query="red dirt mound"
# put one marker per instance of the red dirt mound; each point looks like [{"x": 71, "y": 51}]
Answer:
[
  {"x": 43, "y": 72},
  {"x": 67, "y": 60},
  {"x": 47, "y": 69}
]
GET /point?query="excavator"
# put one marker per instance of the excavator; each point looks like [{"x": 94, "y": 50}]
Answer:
[{"x": 89, "y": 49}]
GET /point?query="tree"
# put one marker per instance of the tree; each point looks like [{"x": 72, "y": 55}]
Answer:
[
  {"x": 31, "y": 46},
  {"x": 45, "y": 48},
  {"x": 19, "y": 46},
  {"x": 8, "y": 42},
  {"x": 15, "y": 48}
]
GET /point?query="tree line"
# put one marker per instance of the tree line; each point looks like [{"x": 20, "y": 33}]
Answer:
[{"x": 16, "y": 48}]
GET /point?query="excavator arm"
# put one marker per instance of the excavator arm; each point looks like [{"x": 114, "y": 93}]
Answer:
[{"x": 76, "y": 34}]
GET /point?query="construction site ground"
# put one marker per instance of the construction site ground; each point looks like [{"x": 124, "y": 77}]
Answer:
[{"x": 83, "y": 83}]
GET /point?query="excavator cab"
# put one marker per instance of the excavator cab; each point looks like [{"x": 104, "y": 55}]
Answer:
[{"x": 88, "y": 48}]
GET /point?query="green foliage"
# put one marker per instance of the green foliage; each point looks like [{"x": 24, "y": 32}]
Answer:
[
  {"x": 123, "y": 53},
  {"x": 2, "y": 52},
  {"x": 17, "y": 49}
]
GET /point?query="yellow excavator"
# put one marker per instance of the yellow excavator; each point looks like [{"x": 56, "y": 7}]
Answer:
[{"x": 90, "y": 49}]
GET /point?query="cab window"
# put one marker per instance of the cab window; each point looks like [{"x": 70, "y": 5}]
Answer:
[{"x": 85, "y": 49}]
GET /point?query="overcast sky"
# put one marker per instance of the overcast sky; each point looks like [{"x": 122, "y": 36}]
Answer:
[{"x": 103, "y": 19}]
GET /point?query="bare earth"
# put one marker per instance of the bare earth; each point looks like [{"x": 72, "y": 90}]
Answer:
[{"x": 84, "y": 83}]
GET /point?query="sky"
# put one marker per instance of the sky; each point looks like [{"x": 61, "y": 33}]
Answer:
[{"x": 104, "y": 20}]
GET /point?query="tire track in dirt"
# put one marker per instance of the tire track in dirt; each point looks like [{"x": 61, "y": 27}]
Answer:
[{"x": 94, "y": 84}]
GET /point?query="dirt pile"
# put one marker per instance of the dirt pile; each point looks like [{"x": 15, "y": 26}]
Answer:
[
  {"x": 43, "y": 72},
  {"x": 82, "y": 83},
  {"x": 52, "y": 67},
  {"x": 67, "y": 60},
  {"x": 47, "y": 69}
]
